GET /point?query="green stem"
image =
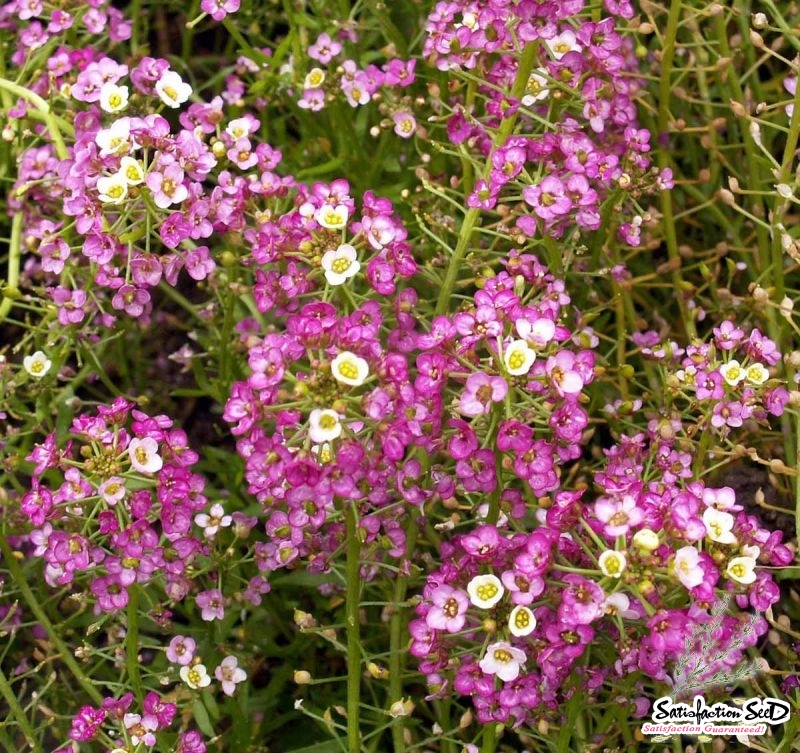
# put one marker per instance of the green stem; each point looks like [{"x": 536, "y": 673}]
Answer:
[
  {"x": 397, "y": 639},
  {"x": 11, "y": 291},
  {"x": 65, "y": 655},
  {"x": 489, "y": 738},
  {"x": 132, "y": 642},
  {"x": 352, "y": 599},
  {"x": 526, "y": 64},
  {"x": 45, "y": 111},
  {"x": 18, "y": 713},
  {"x": 662, "y": 131}
]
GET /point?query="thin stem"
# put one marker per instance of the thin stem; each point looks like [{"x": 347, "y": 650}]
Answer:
[
  {"x": 65, "y": 655},
  {"x": 489, "y": 738},
  {"x": 18, "y": 713},
  {"x": 11, "y": 292},
  {"x": 46, "y": 113},
  {"x": 352, "y": 599},
  {"x": 665, "y": 93},
  {"x": 526, "y": 65},
  {"x": 132, "y": 642},
  {"x": 397, "y": 638}
]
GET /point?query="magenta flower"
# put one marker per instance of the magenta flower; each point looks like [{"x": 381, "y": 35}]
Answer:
[
  {"x": 212, "y": 604},
  {"x": 481, "y": 391},
  {"x": 218, "y": 9},
  {"x": 581, "y": 602},
  {"x": 449, "y": 610},
  {"x": 181, "y": 650},
  {"x": 548, "y": 198},
  {"x": 619, "y": 515},
  {"x": 166, "y": 184}
]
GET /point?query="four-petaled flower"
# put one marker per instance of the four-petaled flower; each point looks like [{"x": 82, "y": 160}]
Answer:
[{"x": 195, "y": 676}]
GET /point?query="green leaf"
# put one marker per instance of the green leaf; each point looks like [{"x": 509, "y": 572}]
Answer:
[
  {"x": 202, "y": 719},
  {"x": 211, "y": 704}
]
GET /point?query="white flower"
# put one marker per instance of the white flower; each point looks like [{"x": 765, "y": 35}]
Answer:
[
  {"x": 732, "y": 372},
  {"x": 619, "y": 603},
  {"x": 563, "y": 43},
  {"x": 131, "y": 171},
  {"x": 144, "y": 455},
  {"x": 324, "y": 452},
  {"x": 113, "y": 98},
  {"x": 324, "y": 425},
  {"x": 196, "y": 676},
  {"x": 213, "y": 521},
  {"x": 115, "y": 138},
  {"x": 742, "y": 570},
  {"x": 539, "y": 332},
  {"x": 37, "y": 365},
  {"x": 518, "y": 357},
  {"x": 504, "y": 660},
  {"x": 340, "y": 264},
  {"x": 229, "y": 674},
  {"x": 612, "y": 564},
  {"x": 112, "y": 189},
  {"x": 756, "y": 374},
  {"x": 485, "y": 591},
  {"x": 536, "y": 90},
  {"x": 687, "y": 567},
  {"x": 521, "y": 621},
  {"x": 238, "y": 128},
  {"x": 348, "y": 368},
  {"x": 719, "y": 525},
  {"x": 646, "y": 539},
  {"x": 314, "y": 78},
  {"x": 333, "y": 218},
  {"x": 172, "y": 89}
]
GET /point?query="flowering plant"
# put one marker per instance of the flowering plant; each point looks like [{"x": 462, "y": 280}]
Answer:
[{"x": 395, "y": 367}]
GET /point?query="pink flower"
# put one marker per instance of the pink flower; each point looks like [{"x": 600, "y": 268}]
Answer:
[
  {"x": 181, "y": 650},
  {"x": 324, "y": 49},
  {"x": 481, "y": 391},
  {"x": 212, "y": 604},
  {"x": 548, "y": 198},
  {"x": 167, "y": 185},
  {"x": 218, "y": 9},
  {"x": 619, "y": 515},
  {"x": 229, "y": 674},
  {"x": 449, "y": 610}
]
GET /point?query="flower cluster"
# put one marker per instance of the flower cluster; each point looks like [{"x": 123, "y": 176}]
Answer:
[
  {"x": 118, "y": 727},
  {"x": 537, "y": 60},
  {"x": 729, "y": 380},
  {"x": 114, "y": 508},
  {"x": 508, "y": 617}
]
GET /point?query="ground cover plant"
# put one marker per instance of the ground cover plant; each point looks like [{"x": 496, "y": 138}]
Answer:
[{"x": 402, "y": 376}]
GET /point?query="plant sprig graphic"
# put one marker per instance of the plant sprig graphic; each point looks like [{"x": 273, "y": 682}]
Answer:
[{"x": 700, "y": 660}]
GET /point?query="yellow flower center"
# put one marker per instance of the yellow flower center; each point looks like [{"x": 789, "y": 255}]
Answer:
[
  {"x": 341, "y": 265},
  {"x": 516, "y": 359},
  {"x": 522, "y": 619},
  {"x": 348, "y": 370},
  {"x": 486, "y": 591}
]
